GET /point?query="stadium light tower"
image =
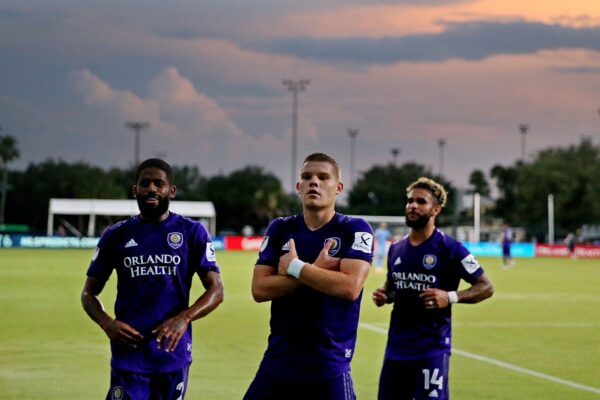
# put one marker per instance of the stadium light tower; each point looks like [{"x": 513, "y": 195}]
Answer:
[
  {"x": 353, "y": 133},
  {"x": 441, "y": 144},
  {"x": 523, "y": 128},
  {"x": 137, "y": 127},
  {"x": 395, "y": 153},
  {"x": 295, "y": 87}
]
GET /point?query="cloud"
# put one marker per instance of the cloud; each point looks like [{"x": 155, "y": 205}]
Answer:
[
  {"x": 186, "y": 125},
  {"x": 468, "y": 41},
  {"x": 173, "y": 104}
]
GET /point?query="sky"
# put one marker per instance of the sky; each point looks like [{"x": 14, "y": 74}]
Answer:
[{"x": 207, "y": 78}]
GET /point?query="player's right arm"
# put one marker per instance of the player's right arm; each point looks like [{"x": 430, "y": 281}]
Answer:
[
  {"x": 116, "y": 331},
  {"x": 268, "y": 285}
]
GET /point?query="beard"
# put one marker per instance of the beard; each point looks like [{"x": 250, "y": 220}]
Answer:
[
  {"x": 418, "y": 223},
  {"x": 150, "y": 211}
]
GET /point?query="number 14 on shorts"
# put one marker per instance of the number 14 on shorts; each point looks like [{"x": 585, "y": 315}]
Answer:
[{"x": 433, "y": 380}]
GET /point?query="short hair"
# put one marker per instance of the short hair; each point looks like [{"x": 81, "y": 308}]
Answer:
[
  {"x": 156, "y": 163},
  {"x": 437, "y": 190},
  {"x": 322, "y": 157}
]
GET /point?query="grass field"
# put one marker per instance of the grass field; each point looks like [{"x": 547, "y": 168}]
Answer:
[{"x": 537, "y": 338}]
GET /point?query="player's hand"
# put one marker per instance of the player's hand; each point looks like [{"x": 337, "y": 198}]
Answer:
[
  {"x": 325, "y": 261},
  {"x": 169, "y": 333},
  {"x": 286, "y": 259},
  {"x": 434, "y": 298},
  {"x": 380, "y": 297},
  {"x": 122, "y": 333}
]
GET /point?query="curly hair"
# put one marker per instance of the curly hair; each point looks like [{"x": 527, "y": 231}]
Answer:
[{"x": 437, "y": 190}]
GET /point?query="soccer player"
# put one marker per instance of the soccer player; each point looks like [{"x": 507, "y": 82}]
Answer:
[
  {"x": 424, "y": 270},
  {"x": 382, "y": 234},
  {"x": 155, "y": 255},
  {"x": 312, "y": 267},
  {"x": 507, "y": 237}
]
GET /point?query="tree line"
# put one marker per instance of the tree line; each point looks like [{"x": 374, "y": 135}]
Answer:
[{"x": 253, "y": 196}]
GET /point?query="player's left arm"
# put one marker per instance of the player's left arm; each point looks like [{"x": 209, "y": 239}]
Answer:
[
  {"x": 480, "y": 290},
  {"x": 169, "y": 333},
  {"x": 345, "y": 283}
]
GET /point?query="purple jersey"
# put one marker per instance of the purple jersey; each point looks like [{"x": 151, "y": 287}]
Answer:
[
  {"x": 155, "y": 264},
  {"x": 440, "y": 262},
  {"x": 313, "y": 334}
]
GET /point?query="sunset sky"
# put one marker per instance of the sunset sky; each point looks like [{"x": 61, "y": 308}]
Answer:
[{"x": 207, "y": 77}]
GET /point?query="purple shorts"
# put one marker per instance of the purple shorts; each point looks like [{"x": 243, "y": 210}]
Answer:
[
  {"x": 125, "y": 385},
  {"x": 268, "y": 387},
  {"x": 415, "y": 379}
]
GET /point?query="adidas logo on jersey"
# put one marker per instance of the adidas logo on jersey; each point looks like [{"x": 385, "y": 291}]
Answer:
[
  {"x": 286, "y": 247},
  {"x": 397, "y": 261},
  {"x": 131, "y": 243}
]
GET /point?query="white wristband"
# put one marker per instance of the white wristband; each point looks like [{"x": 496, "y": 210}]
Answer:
[
  {"x": 452, "y": 297},
  {"x": 295, "y": 267}
]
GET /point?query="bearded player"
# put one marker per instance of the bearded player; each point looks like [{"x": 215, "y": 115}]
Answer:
[
  {"x": 155, "y": 255},
  {"x": 424, "y": 271}
]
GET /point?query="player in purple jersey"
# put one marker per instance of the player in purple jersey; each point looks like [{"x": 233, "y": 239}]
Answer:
[
  {"x": 312, "y": 267},
  {"x": 507, "y": 238},
  {"x": 155, "y": 255},
  {"x": 424, "y": 271}
]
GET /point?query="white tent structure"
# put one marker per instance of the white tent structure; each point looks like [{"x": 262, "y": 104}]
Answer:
[{"x": 202, "y": 210}]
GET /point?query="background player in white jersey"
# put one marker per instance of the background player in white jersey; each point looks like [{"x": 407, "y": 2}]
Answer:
[
  {"x": 382, "y": 235},
  {"x": 424, "y": 271},
  {"x": 155, "y": 255},
  {"x": 312, "y": 267}
]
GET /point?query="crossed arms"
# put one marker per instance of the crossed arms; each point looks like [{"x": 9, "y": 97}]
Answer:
[{"x": 342, "y": 278}]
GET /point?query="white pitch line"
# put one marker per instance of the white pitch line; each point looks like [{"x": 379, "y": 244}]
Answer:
[{"x": 502, "y": 364}]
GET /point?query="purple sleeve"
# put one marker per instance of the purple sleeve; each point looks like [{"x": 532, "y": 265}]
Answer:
[
  {"x": 470, "y": 270},
  {"x": 270, "y": 249},
  {"x": 204, "y": 246},
  {"x": 102, "y": 263},
  {"x": 361, "y": 239}
]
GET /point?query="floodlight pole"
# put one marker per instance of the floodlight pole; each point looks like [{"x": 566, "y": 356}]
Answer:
[
  {"x": 441, "y": 144},
  {"x": 523, "y": 128},
  {"x": 353, "y": 133},
  {"x": 137, "y": 127},
  {"x": 295, "y": 87},
  {"x": 395, "y": 153}
]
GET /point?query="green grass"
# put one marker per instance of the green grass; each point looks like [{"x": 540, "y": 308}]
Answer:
[{"x": 544, "y": 317}]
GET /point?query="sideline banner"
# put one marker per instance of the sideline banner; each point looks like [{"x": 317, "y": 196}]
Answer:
[
  {"x": 47, "y": 242},
  {"x": 486, "y": 249},
  {"x": 561, "y": 251},
  {"x": 252, "y": 243}
]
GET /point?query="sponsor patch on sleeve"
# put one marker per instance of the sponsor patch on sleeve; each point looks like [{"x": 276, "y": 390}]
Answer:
[
  {"x": 96, "y": 252},
  {"x": 363, "y": 241},
  {"x": 264, "y": 244},
  {"x": 210, "y": 252},
  {"x": 470, "y": 264}
]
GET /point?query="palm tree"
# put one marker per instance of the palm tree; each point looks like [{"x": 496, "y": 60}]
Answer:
[{"x": 8, "y": 152}]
